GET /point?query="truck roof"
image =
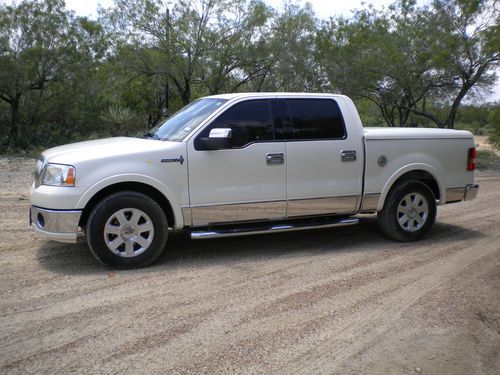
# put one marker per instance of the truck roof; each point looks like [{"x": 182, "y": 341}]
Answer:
[{"x": 239, "y": 95}]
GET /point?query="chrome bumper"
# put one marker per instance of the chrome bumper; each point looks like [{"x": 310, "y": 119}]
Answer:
[
  {"x": 57, "y": 225},
  {"x": 471, "y": 192},
  {"x": 459, "y": 194}
]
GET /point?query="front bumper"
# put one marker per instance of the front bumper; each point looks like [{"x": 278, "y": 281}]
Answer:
[{"x": 57, "y": 225}]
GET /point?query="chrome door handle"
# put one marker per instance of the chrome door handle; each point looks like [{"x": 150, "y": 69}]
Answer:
[
  {"x": 275, "y": 159},
  {"x": 348, "y": 155}
]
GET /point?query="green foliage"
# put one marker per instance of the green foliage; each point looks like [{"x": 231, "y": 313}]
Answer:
[
  {"x": 487, "y": 159},
  {"x": 46, "y": 63},
  {"x": 65, "y": 78},
  {"x": 494, "y": 127},
  {"x": 410, "y": 61},
  {"x": 474, "y": 118},
  {"x": 122, "y": 121}
]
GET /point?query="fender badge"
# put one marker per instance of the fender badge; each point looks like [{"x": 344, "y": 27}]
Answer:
[{"x": 180, "y": 159}]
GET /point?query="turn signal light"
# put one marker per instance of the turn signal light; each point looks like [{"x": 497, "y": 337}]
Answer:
[
  {"x": 70, "y": 177},
  {"x": 471, "y": 160}
]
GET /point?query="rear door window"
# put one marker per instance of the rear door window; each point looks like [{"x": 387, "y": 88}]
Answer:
[{"x": 316, "y": 119}]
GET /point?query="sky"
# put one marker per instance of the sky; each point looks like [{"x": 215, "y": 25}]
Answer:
[{"x": 322, "y": 8}]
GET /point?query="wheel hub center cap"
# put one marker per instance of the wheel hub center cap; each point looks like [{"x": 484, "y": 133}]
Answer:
[
  {"x": 412, "y": 213},
  {"x": 128, "y": 231}
]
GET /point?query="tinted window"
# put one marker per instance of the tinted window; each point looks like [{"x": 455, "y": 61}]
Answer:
[
  {"x": 316, "y": 119},
  {"x": 177, "y": 127},
  {"x": 281, "y": 119},
  {"x": 250, "y": 122}
]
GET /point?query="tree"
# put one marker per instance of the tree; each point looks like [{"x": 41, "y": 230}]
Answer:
[
  {"x": 494, "y": 125},
  {"x": 288, "y": 52},
  {"x": 232, "y": 59},
  {"x": 36, "y": 47},
  {"x": 46, "y": 56},
  {"x": 358, "y": 56},
  {"x": 190, "y": 43},
  {"x": 410, "y": 61},
  {"x": 465, "y": 40}
]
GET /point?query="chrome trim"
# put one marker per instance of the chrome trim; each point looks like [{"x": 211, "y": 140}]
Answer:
[
  {"x": 348, "y": 155},
  {"x": 471, "y": 192},
  {"x": 57, "y": 225},
  {"x": 464, "y": 193},
  {"x": 228, "y": 213},
  {"x": 455, "y": 194},
  {"x": 370, "y": 202},
  {"x": 284, "y": 227},
  {"x": 220, "y": 133},
  {"x": 412, "y": 138},
  {"x": 322, "y": 206},
  {"x": 187, "y": 216},
  {"x": 275, "y": 159},
  {"x": 40, "y": 165}
]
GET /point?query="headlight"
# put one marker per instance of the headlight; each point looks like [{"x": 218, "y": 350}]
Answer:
[{"x": 59, "y": 175}]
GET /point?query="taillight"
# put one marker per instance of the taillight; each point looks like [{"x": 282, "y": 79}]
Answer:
[{"x": 471, "y": 160}]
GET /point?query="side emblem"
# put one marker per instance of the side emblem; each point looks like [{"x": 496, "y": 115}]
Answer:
[{"x": 180, "y": 159}]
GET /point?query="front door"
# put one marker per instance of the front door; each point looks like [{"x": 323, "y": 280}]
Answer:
[{"x": 246, "y": 182}]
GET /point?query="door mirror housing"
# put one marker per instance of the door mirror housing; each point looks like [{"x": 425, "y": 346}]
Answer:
[{"x": 218, "y": 139}]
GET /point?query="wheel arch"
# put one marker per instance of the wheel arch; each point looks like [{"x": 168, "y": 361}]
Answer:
[
  {"x": 154, "y": 190},
  {"x": 419, "y": 172}
]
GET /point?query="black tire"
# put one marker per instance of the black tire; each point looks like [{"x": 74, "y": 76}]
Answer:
[
  {"x": 398, "y": 219},
  {"x": 127, "y": 205}
]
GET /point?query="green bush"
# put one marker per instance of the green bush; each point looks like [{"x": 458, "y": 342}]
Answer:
[{"x": 494, "y": 127}]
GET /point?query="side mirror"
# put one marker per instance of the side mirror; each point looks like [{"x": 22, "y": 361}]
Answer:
[{"x": 218, "y": 139}]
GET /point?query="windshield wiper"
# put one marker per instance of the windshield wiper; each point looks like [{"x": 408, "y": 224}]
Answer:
[{"x": 150, "y": 135}]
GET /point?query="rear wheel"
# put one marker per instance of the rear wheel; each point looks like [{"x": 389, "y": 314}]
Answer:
[
  {"x": 127, "y": 230},
  {"x": 409, "y": 211}
]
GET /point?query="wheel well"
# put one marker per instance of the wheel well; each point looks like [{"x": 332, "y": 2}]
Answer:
[
  {"x": 131, "y": 186},
  {"x": 421, "y": 176}
]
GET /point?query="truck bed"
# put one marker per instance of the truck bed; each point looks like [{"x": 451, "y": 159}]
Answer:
[
  {"x": 392, "y": 152},
  {"x": 414, "y": 133}
]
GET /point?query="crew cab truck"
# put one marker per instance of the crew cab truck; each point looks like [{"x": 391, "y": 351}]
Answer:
[{"x": 248, "y": 163}]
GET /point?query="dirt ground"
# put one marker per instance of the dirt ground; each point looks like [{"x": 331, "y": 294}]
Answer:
[
  {"x": 483, "y": 144},
  {"x": 337, "y": 301}
]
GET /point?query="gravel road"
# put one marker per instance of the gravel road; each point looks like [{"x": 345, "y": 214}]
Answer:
[{"x": 336, "y": 301}]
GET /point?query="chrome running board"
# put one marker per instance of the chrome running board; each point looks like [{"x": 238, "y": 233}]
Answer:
[{"x": 272, "y": 228}]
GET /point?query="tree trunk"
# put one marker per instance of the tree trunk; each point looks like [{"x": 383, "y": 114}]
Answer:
[
  {"x": 186, "y": 93},
  {"x": 450, "y": 120},
  {"x": 14, "y": 121},
  {"x": 167, "y": 97}
]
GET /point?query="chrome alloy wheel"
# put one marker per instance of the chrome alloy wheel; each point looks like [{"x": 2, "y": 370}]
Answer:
[
  {"x": 412, "y": 212},
  {"x": 128, "y": 232}
]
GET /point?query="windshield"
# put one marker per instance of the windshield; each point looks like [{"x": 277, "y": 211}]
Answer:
[{"x": 177, "y": 127}]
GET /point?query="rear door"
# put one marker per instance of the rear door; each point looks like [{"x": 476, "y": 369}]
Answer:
[
  {"x": 323, "y": 166},
  {"x": 246, "y": 182}
]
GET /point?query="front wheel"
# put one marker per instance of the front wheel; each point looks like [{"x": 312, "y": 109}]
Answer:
[
  {"x": 127, "y": 230},
  {"x": 409, "y": 211}
]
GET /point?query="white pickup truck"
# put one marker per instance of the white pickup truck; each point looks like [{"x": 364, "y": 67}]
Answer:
[{"x": 248, "y": 163}]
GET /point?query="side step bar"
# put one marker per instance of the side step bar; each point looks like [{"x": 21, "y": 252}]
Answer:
[{"x": 274, "y": 228}]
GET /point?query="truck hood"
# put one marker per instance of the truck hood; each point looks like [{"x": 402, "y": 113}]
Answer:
[{"x": 103, "y": 149}]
